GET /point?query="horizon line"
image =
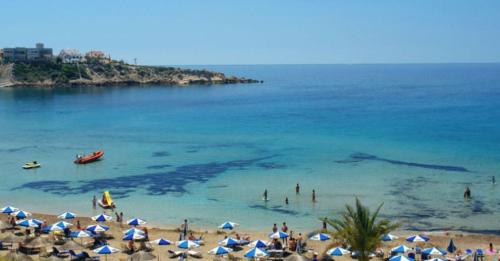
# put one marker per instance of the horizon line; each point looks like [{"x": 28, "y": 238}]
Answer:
[{"x": 271, "y": 64}]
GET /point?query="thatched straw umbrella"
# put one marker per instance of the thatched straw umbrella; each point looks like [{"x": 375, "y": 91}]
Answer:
[
  {"x": 69, "y": 245},
  {"x": 4, "y": 226},
  {"x": 296, "y": 257},
  {"x": 11, "y": 238},
  {"x": 141, "y": 256},
  {"x": 14, "y": 256},
  {"x": 37, "y": 242}
]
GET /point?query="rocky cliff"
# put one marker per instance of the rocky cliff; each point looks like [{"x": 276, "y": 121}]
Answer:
[{"x": 112, "y": 73}]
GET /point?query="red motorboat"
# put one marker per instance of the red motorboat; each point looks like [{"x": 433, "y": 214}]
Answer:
[{"x": 89, "y": 158}]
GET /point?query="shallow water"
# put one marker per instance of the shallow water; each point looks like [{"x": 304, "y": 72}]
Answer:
[{"x": 411, "y": 136}]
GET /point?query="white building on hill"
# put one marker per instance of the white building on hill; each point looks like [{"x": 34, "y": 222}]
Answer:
[{"x": 71, "y": 56}]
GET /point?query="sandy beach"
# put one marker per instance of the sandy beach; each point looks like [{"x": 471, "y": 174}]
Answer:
[{"x": 211, "y": 237}]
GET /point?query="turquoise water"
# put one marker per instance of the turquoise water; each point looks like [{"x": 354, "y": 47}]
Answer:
[{"x": 411, "y": 136}]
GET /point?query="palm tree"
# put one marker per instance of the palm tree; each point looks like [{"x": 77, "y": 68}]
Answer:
[{"x": 361, "y": 229}]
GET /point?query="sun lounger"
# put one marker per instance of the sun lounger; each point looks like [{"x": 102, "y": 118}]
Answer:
[
  {"x": 194, "y": 254},
  {"x": 61, "y": 254},
  {"x": 174, "y": 254}
]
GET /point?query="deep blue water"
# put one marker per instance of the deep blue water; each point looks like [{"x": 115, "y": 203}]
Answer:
[{"x": 411, "y": 136}]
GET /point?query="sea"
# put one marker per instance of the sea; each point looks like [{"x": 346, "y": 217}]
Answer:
[{"x": 409, "y": 136}]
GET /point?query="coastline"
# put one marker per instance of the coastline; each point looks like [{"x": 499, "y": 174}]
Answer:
[{"x": 212, "y": 236}]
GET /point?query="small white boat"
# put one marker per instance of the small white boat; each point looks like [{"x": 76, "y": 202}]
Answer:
[{"x": 32, "y": 165}]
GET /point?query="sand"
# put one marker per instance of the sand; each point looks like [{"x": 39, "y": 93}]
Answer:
[{"x": 211, "y": 237}]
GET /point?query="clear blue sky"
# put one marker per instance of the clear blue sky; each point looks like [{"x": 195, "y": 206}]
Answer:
[{"x": 262, "y": 31}]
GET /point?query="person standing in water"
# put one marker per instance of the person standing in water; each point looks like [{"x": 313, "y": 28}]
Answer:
[
  {"x": 467, "y": 193},
  {"x": 265, "y": 195},
  {"x": 493, "y": 180},
  {"x": 94, "y": 202},
  {"x": 286, "y": 201},
  {"x": 297, "y": 189},
  {"x": 314, "y": 196}
]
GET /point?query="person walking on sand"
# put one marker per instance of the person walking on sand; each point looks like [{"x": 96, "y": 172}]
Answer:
[
  {"x": 275, "y": 228},
  {"x": 467, "y": 193},
  {"x": 121, "y": 217},
  {"x": 299, "y": 244},
  {"x": 284, "y": 229},
  {"x": 314, "y": 196},
  {"x": 185, "y": 229},
  {"x": 94, "y": 202},
  {"x": 297, "y": 189}
]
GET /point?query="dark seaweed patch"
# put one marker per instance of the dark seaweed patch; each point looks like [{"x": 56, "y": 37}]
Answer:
[
  {"x": 160, "y": 154},
  {"x": 277, "y": 209},
  {"x": 18, "y": 149},
  {"x": 156, "y": 183},
  {"x": 271, "y": 165},
  {"x": 358, "y": 157},
  {"x": 191, "y": 151},
  {"x": 161, "y": 166}
]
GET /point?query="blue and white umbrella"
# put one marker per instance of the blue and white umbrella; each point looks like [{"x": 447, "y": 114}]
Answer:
[
  {"x": 258, "y": 243},
  {"x": 320, "y": 237},
  {"x": 51, "y": 228},
  {"x": 97, "y": 228},
  {"x": 102, "y": 218},
  {"x": 161, "y": 242},
  {"x": 67, "y": 215},
  {"x": 106, "y": 250},
  {"x": 218, "y": 251},
  {"x": 133, "y": 230},
  {"x": 136, "y": 222},
  {"x": 400, "y": 249},
  {"x": 417, "y": 238},
  {"x": 63, "y": 224},
  {"x": 8, "y": 209},
  {"x": 80, "y": 234},
  {"x": 256, "y": 253},
  {"x": 401, "y": 258},
  {"x": 187, "y": 244},
  {"x": 229, "y": 242},
  {"x": 389, "y": 237},
  {"x": 20, "y": 214},
  {"x": 337, "y": 251},
  {"x": 278, "y": 234},
  {"x": 28, "y": 223},
  {"x": 434, "y": 251},
  {"x": 133, "y": 236},
  {"x": 228, "y": 225}
]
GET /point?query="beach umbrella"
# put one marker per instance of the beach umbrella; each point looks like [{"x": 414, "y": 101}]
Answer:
[
  {"x": 278, "y": 234},
  {"x": 389, "y": 237},
  {"x": 401, "y": 258},
  {"x": 320, "y": 237},
  {"x": 28, "y": 223},
  {"x": 67, "y": 215},
  {"x": 400, "y": 249},
  {"x": 228, "y": 225},
  {"x": 136, "y": 222},
  {"x": 106, "y": 250},
  {"x": 17, "y": 256},
  {"x": 8, "y": 210},
  {"x": 434, "y": 251},
  {"x": 258, "y": 243},
  {"x": 218, "y": 251},
  {"x": 20, "y": 214},
  {"x": 133, "y": 230},
  {"x": 102, "y": 218},
  {"x": 256, "y": 253},
  {"x": 97, "y": 228},
  {"x": 229, "y": 242},
  {"x": 141, "y": 256},
  {"x": 69, "y": 245},
  {"x": 337, "y": 251},
  {"x": 62, "y": 224},
  {"x": 187, "y": 244},
  {"x": 417, "y": 238},
  {"x": 133, "y": 236},
  {"x": 50, "y": 228},
  {"x": 80, "y": 234},
  {"x": 451, "y": 246},
  {"x": 161, "y": 242}
]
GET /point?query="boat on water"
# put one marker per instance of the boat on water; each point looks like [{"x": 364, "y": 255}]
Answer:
[
  {"x": 94, "y": 156},
  {"x": 106, "y": 202},
  {"x": 32, "y": 165}
]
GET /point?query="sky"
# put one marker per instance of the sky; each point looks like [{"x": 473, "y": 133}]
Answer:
[{"x": 189, "y": 32}]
